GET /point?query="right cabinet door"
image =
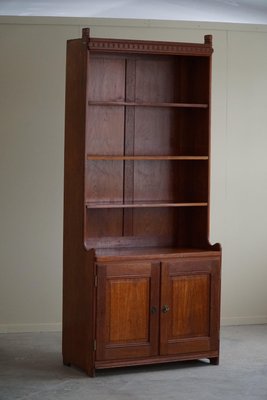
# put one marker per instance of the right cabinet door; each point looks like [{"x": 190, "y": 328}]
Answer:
[{"x": 190, "y": 306}]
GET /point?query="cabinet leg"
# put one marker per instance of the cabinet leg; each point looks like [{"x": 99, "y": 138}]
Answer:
[
  {"x": 91, "y": 372},
  {"x": 214, "y": 360},
  {"x": 66, "y": 363}
]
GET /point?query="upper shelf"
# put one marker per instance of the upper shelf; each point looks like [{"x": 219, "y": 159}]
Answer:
[
  {"x": 147, "y": 104},
  {"x": 136, "y": 158}
]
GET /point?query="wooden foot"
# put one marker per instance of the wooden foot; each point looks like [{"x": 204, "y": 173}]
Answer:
[
  {"x": 66, "y": 363},
  {"x": 91, "y": 372},
  {"x": 214, "y": 360}
]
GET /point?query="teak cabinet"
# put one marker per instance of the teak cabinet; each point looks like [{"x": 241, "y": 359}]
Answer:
[{"x": 141, "y": 280}]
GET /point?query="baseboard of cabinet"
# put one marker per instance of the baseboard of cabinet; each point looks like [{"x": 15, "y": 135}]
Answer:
[{"x": 155, "y": 360}]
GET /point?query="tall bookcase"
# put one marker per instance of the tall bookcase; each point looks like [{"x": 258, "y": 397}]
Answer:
[{"x": 141, "y": 280}]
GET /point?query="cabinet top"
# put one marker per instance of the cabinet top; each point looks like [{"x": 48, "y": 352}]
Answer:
[
  {"x": 105, "y": 45},
  {"x": 146, "y": 253}
]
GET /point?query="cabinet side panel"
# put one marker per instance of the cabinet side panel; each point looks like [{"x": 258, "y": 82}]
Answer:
[{"x": 77, "y": 276}]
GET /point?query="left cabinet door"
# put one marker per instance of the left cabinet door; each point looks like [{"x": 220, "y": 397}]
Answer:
[{"x": 127, "y": 311}]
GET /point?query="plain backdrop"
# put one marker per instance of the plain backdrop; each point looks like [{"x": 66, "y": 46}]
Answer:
[{"x": 32, "y": 91}]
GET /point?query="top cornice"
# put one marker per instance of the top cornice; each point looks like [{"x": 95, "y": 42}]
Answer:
[{"x": 150, "y": 47}]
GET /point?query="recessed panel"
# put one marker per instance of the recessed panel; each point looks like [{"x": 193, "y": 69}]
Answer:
[
  {"x": 128, "y": 302},
  {"x": 191, "y": 306}
]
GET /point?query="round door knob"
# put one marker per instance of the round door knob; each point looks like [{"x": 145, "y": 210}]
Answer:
[{"x": 165, "y": 308}]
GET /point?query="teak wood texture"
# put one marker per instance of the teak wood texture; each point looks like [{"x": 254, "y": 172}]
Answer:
[{"x": 141, "y": 280}]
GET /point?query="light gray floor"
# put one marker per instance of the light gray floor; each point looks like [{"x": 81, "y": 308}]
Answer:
[{"x": 31, "y": 369}]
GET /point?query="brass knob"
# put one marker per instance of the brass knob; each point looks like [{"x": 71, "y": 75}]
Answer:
[
  {"x": 153, "y": 310},
  {"x": 165, "y": 308}
]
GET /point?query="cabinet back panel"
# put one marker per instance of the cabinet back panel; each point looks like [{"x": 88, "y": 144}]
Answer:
[
  {"x": 180, "y": 227},
  {"x": 106, "y": 79},
  {"x": 154, "y": 181},
  {"x": 171, "y": 181},
  {"x": 154, "y": 222},
  {"x": 192, "y": 128},
  {"x": 154, "y": 80},
  {"x": 103, "y": 223},
  {"x": 146, "y": 222},
  {"x": 156, "y": 131},
  {"x": 105, "y": 130},
  {"x": 172, "y": 79},
  {"x": 192, "y": 227},
  {"x": 104, "y": 181},
  {"x": 194, "y": 80},
  {"x": 166, "y": 131}
]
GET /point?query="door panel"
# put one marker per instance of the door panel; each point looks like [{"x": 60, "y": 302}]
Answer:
[
  {"x": 127, "y": 310},
  {"x": 189, "y": 320},
  {"x": 190, "y": 316},
  {"x": 128, "y": 302}
]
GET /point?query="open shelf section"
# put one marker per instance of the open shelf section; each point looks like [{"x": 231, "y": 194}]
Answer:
[
  {"x": 147, "y": 104},
  {"x": 143, "y": 205},
  {"x": 149, "y": 158}
]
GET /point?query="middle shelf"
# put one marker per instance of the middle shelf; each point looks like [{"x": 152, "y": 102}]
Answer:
[
  {"x": 143, "y": 204},
  {"x": 144, "y": 157},
  {"x": 147, "y": 104}
]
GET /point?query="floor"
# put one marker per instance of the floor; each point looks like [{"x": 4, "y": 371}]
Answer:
[{"x": 31, "y": 368}]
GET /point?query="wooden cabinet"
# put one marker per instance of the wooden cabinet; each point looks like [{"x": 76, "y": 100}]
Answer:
[
  {"x": 141, "y": 280},
  {"x": 156, "y": 309}
]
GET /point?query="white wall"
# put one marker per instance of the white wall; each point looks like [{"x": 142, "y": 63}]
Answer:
[{"x": 32, "y": 83}]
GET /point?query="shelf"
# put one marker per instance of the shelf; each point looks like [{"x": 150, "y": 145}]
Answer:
[
  {"x": 147, "y": 104},
  {"x": 143, "y": 205},
  {"x": 149, "y": 158}
]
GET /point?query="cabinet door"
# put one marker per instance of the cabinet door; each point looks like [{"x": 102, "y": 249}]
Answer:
[
  {"x": 127, "y": 310},
  {"x": 189, "y": 318}
]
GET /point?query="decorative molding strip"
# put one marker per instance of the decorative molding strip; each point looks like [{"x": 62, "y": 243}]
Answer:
[
  {"x": 20, "y": 328},
  {"x": 142, "y": 46}
]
